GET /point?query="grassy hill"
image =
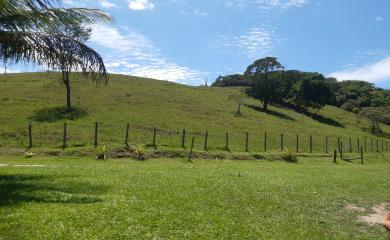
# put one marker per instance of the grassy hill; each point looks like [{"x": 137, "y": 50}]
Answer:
[{"x": 147, "y": 103}]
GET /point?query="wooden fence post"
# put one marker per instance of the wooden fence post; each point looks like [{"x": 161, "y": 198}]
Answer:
[
  {"x": 335, "y": 156},
  {"x": 96, "y": 134},
  {"x": 311, "y": 144},
  {"x": 326, "y": 144},
  {"x": 192, "y": 148},
  {"x": 183, "y": 139},
  {"x": 361, "y": 155},
  {"x": 247, "y": 142},
  {"x": 341, "y": 150},
  {"x": 227, "y": 141},
  {"x": 206, "y": 136},
  {"x": 154, "y": 138},
  {"x": 281, "y": 142},
  {"x": 30, "y": 141},
  {"x": 65, "y": 136},
  {"x": 127, "y": 135},
  {"x": 297, "y": 144},
  {"x": 265, "y": 141}
]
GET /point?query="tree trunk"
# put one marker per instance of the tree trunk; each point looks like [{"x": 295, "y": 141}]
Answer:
[{"x": 67, "y": 86}]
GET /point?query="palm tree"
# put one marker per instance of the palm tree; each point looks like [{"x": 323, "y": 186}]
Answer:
[{"x": 29, "y": 34}]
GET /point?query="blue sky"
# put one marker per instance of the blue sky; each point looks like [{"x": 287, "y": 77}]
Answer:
[{"x": 190, "y": 41}]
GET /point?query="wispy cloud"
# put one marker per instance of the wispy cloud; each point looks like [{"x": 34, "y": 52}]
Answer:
[
  {"x": 377, "y": 72},
  {"x": 379, "y": 19},
  {"x": 265, "y": 4},
  {"x": 141, "y": 5},
  {"x": 254, "y": 43},
  {"x": 84, "y": 3},
  {"x": 107, "y": 4},
  {"x": 134, "y": 54}
]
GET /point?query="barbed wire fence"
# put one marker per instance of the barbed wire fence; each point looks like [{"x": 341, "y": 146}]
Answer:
[{"x": 64, "y": 135}]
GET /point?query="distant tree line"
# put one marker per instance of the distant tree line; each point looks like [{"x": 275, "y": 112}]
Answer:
[{"x": 268, "y": 81}]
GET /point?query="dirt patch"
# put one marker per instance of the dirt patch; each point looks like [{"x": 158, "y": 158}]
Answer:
[
  {"x": 376, "y": 218},
  {"x": 354, "y": 207}
]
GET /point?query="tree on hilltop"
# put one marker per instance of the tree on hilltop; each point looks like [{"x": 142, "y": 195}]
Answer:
[{"x": 31, "y": 32}]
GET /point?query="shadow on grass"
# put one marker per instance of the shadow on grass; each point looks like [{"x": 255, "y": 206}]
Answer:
[
  {"x": 324, "y": 120},
  {"x": 270, "y": 112},
  {"x": 22, "y": 188},
  {"x": 55, "y": 114}
]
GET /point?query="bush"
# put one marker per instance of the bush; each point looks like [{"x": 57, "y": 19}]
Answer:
[
  {"x": 101, "y": 155},
  {"x": 140, "y": 152},
  {"x": 289, "y": 156},
  {"x": 356, "y": 110}
]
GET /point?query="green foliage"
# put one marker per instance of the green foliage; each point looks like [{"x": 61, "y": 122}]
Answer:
[
  {"x": 58, "y": 114},
  {"x": 289, "y": 156},
  {"x": 231, "y": 81},
  {"x": 360, "y": 94}
]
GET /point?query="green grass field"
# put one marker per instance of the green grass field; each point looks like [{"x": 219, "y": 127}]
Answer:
[
  {"x": 146, "y": 103},
  {"x": 64, "y": 197},
  {"x": 80, "y": 198}
]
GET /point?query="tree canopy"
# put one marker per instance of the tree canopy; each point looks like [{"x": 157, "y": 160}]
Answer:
[{"x": 304, "y": 89}]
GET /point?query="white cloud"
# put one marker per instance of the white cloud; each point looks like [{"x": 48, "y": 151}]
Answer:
[
  {"x": 265, "y": 4},
  {"x": 141, "y": 5},
  {"x": 379, "y": 19},
  {"x": 134, "y": 54},
  {"x": 84, "y": 3},
  {"x": 377, "y": 72},
  {"x": 254, "y": 43},
  {"x": 107, "y": 4}
]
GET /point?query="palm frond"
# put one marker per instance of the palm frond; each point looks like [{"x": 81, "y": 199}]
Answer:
[
  {"x": 51, "y": 50},
  {"x": 51, "y": 18}
]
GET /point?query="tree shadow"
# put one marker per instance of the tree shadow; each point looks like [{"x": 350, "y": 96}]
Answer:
[
  {"x": 314, "y": 116},
  {"x": 324, "y": 120},
  {"x": 22, "y": 188},
  {"x": 270, "y": 112},
  {"x": 54, "y": 114}
]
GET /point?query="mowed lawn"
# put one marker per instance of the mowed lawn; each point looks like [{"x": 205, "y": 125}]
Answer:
[{"x": 81, "y": 198}]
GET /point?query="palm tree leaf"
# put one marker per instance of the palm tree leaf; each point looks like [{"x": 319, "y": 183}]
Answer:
[
  {"x": 51, "y": 18},
  {"x": 51, "y": 50}
]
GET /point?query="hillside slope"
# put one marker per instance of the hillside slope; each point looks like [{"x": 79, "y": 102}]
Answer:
[{"x": 146, "y": 103}]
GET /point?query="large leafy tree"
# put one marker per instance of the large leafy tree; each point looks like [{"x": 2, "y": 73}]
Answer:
[
  {"x": 265, "y": 74},
  {"x": 30, "y": 32}
]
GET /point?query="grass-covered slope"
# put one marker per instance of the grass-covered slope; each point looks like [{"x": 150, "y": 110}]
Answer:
[{"x": 146, "y": 103}]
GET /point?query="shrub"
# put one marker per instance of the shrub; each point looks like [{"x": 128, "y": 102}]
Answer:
[
  {"x": 356, "y": 110},
  {"x": 140, "y": 152},
  {"x": 29, "y": 154},
  {"x": 101, "y": 155},
  {"x": 289, "y": 156}
]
